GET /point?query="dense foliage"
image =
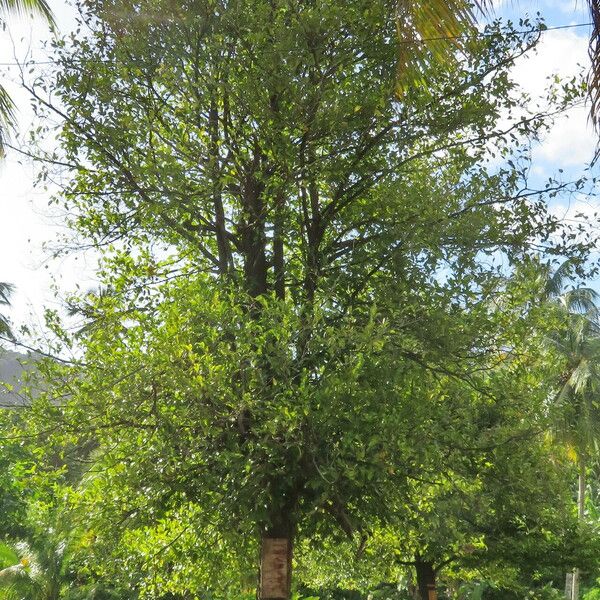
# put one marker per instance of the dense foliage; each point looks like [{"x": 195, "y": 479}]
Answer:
[{"x": 323, "y": 317}]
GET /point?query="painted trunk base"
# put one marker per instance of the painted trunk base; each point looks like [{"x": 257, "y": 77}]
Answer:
[
  {"x": 275, "y": 569},
  {"x": 569, "y": 586}
]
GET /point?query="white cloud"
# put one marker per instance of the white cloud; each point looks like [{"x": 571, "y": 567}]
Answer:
[
  {"x": 26, "y": 225},
  {"x": 572, "y": 8},
  {"x": 26, "y": 220},
  {"x": 571, "y": 141},
  {"x": 569, "y": 8},
  {"x": 560, "y": 52}
]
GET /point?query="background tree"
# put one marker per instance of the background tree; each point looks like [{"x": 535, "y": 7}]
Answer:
[
  {"x": 578, "y": 339},
  {"x": 478, "y": 506}
]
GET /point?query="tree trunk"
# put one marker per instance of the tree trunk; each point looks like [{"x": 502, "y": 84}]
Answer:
[
  {"x": 569, "y": 586},
  {"x": 580, "y": 515},
  {"x": 275, "y": 567},
  {"x": 425, "y": 579}
]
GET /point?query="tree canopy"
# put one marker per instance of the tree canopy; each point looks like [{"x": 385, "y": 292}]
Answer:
[{"x": 321, "y": 325}]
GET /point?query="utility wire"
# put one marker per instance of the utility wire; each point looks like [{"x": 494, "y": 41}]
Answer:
[
  {"x": 413, "y": 42},
  {"x": 492, "y": 34}
]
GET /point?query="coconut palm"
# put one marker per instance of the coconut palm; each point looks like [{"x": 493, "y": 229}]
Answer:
[
  {"x": 6, "y": 290},
  {"x": 578, "y": 399},
  {"x": 38, "y": 571},
  {"x": 17, "y": 7},
  {"x": 38, "y": 7},
  {"x": 440, "y": 25}
]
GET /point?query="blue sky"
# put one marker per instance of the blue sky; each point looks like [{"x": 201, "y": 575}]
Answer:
[
  {"x": 555, "y": 12},
  {"x": 28, "y": 224},
  {"x": 571, "y": 143}
]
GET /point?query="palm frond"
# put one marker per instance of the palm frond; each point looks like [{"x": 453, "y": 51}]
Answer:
[
  {"x": 443, "y": 23},
  {"x": 591, "y": 348},
  {"x": 582, "y": 301},
  {"x": 38, "y": 573},
  {"x": 594, "y": 52},
  {"x": 18, "y": 7},
  {"x": 580, "y": 378},
  {"x": 7, "y": 117},
  {"x": 21, "y": 7},
  {"x": 556, "y": 281},
  {"x": 6, "y": 290},
  {"x": 5, "y": 328}
]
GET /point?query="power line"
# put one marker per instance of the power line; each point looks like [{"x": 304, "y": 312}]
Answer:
[
  {"x": 411, "y": 42},
  {"x": 483, "y": 34}
]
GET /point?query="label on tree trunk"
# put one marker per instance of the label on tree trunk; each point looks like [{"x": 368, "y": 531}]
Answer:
[
  {"x": 431, "y": 592},
  {"x": 275, "y": 569},
  {"x": 569, "y": 586}
]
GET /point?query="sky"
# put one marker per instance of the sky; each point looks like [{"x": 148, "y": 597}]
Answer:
[{"x": 29, "y": 226}]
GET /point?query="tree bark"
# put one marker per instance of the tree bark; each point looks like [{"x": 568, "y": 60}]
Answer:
[
  {"x": 276, "y": 561},
  {"x": 569, "y": 586},
  {"x": 220, "y": 229},
  {"x": 425, "y": 579}
]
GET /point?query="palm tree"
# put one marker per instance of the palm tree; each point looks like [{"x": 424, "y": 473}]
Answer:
[
  {"x": 444, "y": 24},
  {"x": 38, "y": 573},
  {"x": 16, "y": 7},
  {"x": 578, "y": 340},
  {"x": 6, "y": 290},
  {"x": 578, "y": 399}
]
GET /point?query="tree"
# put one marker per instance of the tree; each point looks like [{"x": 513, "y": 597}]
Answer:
[
  {"x": 36, "y": 574},
  {"x": 578, "y": 340},
  {"x": 287, "y": 246},
  {"x": 491, "y": 498}
]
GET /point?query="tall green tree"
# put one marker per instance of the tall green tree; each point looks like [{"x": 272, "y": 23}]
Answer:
[{"x": 288, "y": 245}]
